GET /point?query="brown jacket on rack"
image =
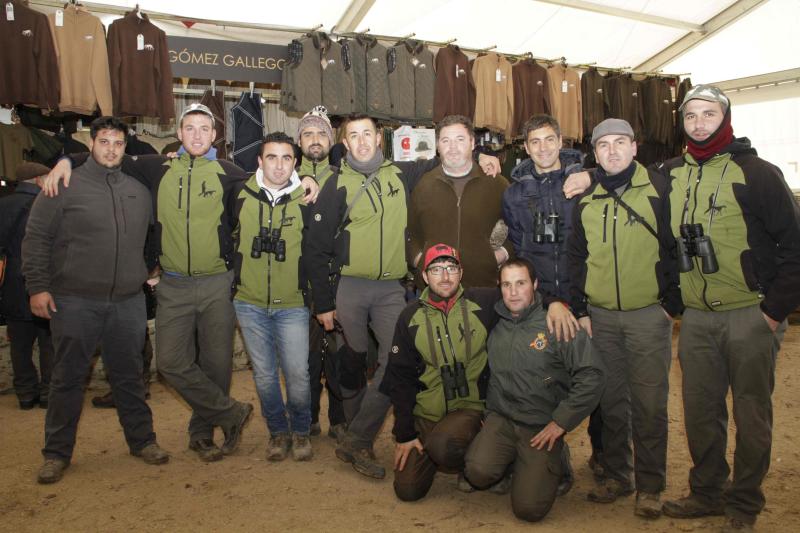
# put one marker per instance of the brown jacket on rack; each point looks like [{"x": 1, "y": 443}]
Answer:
[
  {"x": 28, "y": 59},
  {"x": 141, "y": 80},
  {"x": 494, "y": 93},
  {"x": 455, "y": 90},
  {"x": 565, "y": 100},
  {"x": 82, "y": 62},
  {"x": 624, "y": 101},
  {"x": 593, "y": 98},
  {"x": 531, "y": 92}
]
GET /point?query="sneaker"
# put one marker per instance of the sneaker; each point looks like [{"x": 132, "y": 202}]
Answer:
[
  {"x": 52, "y": 471},
  {"x": 609, "y": 490},
  {"x": 278, "y": 447},
  {"x": 337, "y": 431},
  {"x": 648, "y": 505},
  {"x": 106, "y": 401},
  {"x": 301, "y": 448},
  {"x": 206, "y": 450},
  {"x": 366, "y": 464},
  {"x": 733, "y": 525},
  {"x": 152, "y": 454},
  {"x": 502, "y": 487},
  {"x": 463, "y": 485},
  {"x": 233, "y": 434},
  {"x": 692, "y": 506},
  {"x": 316, "y": 429}
]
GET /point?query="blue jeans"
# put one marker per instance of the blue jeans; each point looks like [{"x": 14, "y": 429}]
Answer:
[{"x": 273, "y": 337}]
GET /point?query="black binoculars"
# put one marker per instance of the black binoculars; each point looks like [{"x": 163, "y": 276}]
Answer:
[
  {"x": 454, "y": 381},
  {"x": 545, "y": 227},
  {"x": 269, "y": 242},
  {"x": 694, "y": 243}
]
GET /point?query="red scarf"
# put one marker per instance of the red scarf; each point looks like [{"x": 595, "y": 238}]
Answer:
[
  {"x": 705, "y": 150},
  {"x": 443, "y": 305}
]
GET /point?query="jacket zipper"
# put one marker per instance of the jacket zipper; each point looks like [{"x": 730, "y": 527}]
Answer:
[
  {"x": 180, "y": 191},
  {"x": 269, "y": 263},
  {"x": 605, "y": 217},
  {"x": 188, "y": 207},
  {"x": 697, "y": 262},
  {"x": 380, "y": 255},
  {"x": 616, "y": 264},
  {"x": 116, "y": 240},
  {"x": 556, "y": 245}
]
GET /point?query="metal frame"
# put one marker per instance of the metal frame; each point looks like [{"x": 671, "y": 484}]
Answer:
[{"x": 625, "y": 13}]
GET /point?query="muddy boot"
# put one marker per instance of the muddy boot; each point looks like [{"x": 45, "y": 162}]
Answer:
[{"x": 106, "y": 401}]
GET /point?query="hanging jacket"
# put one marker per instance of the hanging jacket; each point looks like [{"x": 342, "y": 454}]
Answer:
[
  {"x": 593, "y": 101},
  {"x": 306, "y": 80},
  {"x": 455, "y": 91},
  {"x": 531, "y": 192},
  {"x": 614, "y": 261},
  {"x": 536, "y": 379},
  {"x": 531, "y": 93},
  {"x": 494, "y": 93},
  {"x": 412, "y": 81},
  {"x": 565, "y": 100},
  {"x": 337, "y": 82},
  {"x": 425, "y": 339},
  {"x": 248, "y": 131},
  {"x": 749, "y": 213}
]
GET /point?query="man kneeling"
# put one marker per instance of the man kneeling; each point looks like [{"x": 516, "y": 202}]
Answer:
[
  {"x": 539, "y": 389},
  {"x": 437, "y": 374}
]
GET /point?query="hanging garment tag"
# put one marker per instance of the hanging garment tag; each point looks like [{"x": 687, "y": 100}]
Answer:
[
  {"x": 59, "y": 17},
  {"x": 564, "y": 86},
  {"x": 456, "y": 71},
  {"x": 498, "y": 76},
  {"x": 9, "y": 11},
  {"x": 140, "y": 42},
  {"x": 414, "y": 61},
  {"x": 324, "y": 63}
]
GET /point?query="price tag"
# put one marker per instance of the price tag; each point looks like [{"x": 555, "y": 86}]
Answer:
[
  {"x": 498, "y": 77},
  {"x": 59, "y": 17},
  {"x": 140, "y": 42},
  {"x": 9, "y": 11},
  {"x": 564, "y": 86},
  {"x": 456, "y": 71}
]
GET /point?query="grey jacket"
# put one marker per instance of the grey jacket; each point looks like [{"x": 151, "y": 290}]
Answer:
[
  {"x": 536, "y": 379},
  {"x": 89, "y": 240}
]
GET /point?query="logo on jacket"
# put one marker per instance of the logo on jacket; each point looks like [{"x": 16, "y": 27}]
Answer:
[
  {"x": 204, "y": 192},
  {"x": 27, "y": 33},
  {"x": 461, "y": 331},
  {"x": 288, "y": 221},
  {"x": 540, "y": 342},
  {"x": 88, "y": 37},
  {"x": 631, "y": 220},
  {"x": 317, "y": 217},
  {"x": 395, "y": 349},
  {"x": 392, "y": 190},
  {"x": 712, "y": 207},
  {"x": 149, "y": 47}
]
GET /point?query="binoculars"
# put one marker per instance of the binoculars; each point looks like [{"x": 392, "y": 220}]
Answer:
[
  {"x": 269, "y": 242},
  {"x": 454, "y": 381},
  {"x": 694, "y": 243},
  {"x": 545, "y": 227}
]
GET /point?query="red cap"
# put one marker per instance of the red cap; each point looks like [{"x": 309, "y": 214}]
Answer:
[{"x": 440, "y": 250}]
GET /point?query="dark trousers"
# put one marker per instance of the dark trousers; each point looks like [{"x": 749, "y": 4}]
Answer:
[
  {"x": 78, "y": 326},
  {"x": 635, "y": 347},
  {"x": 535, "y": 473},
  {"x": 718, "y": 351},
  {"x": 445, "y": 443},
  {"x": 28, "y": 384},
  {"x": 198, "y": 308},
  {"x": 335, "y": 407}
]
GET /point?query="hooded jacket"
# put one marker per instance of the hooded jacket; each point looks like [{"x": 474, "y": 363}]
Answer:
[
  {"x": 536, "y": 379},
  {"x": 529, "y": 193},
  {"x": 749, "y": 213}
]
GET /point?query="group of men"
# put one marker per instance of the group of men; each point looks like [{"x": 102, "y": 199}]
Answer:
[{"x": 591, "y": 268}]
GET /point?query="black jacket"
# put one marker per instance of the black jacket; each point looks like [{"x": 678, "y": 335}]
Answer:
[{"x": 14, "y": 211}]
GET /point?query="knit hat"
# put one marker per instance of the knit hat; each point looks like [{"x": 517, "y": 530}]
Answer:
[
  {"x": 28, "y": 171},
  {"x": 197, "y": 108},
  {"x": 318, "y": 116},
  {"x": 611, "y": 126},
  {"x": 709, "y": 93},
  {"x": 438, "y": 251}
]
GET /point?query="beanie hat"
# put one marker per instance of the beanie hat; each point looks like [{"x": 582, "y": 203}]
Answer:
[{"x": 318, "y": 116}]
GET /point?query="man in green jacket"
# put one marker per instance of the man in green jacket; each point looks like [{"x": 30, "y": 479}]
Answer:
[
  {"x": 540, "y": 388},
  {"x": 440, "y": 343},
  {"x": 739, "y": 234},
  {"x": 624, "y": 293}
]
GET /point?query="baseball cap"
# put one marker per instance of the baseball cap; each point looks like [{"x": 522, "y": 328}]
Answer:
[
  {"x": 440, "y": 250},
  {"x": 611, "y": 126},
  {"x": 197, "y": 108},
  {"x": 709, "y": 93}
]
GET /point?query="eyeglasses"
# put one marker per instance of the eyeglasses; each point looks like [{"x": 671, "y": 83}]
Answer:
[{"x": 438, "y": 270}]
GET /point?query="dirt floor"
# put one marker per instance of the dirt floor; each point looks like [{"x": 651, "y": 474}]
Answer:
[{"x": 106, "y": 489}]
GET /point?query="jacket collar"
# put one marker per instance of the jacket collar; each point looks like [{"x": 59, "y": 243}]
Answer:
[
  {"x": 503, "y": 311},
  {"x": 424, "y": 299},
  {"x": 571, "y": 162},
  {"x": 307, "y": 168}
]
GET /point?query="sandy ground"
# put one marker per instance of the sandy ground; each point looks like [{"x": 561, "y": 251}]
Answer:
[{"x": 106, "y": 489}]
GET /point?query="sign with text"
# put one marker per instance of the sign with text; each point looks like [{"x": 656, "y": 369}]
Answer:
[{"x": 210, "y": 59}]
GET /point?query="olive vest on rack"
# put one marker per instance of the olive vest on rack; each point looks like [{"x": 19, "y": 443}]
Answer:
[
  {"x": 412, "y": 82},
  {"x": 370, "y": 76},
  {"x": 306, "y": 83},
  {"x": 337, "y": 83}
]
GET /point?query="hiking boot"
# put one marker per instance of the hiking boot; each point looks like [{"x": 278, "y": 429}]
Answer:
[
  {"x": 463, "y": 485},
  {"x": 648, "y": 505},
  {"x": 596, "y": 465},
  {"x": 233, "y": 434},
  {"x": 152, "y": 454},
  {"x": 43, "y": 402},
  {"x": 206, "y": 450},
  {"x": 106, "y": 401},
  {"x": 692, "y": 506},
  {"x": 316, "y": 429},
  {"x": 278, "y": 447},
  {"x": 567, "y": 477},
  {"x": 609, "y": 490},
  {"x": 301, "y": 448},
  {"x": 565, "y": 485},
  {"x": 734, "y": 525},
  {"x": 27, "y": 405},
  {"x": 345, "y": 450},
  {"x": 51, "y": 471},
  {"x": 337, "y": 431},
  {"x": 502, "y": 487},
  {"x": 366, "y": 464}
]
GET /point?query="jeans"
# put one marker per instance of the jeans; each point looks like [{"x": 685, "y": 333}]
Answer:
[{"x": 276, "y": 337}]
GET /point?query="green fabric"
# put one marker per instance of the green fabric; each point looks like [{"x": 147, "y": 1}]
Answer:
[
  {"x": 321, "y": 171},
  {"x": 190, "y": 210}
]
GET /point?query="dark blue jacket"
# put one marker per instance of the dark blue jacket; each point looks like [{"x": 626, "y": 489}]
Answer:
[
  {"x": 14, "y": 210},
  {"x": 531, "y": 192}
]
